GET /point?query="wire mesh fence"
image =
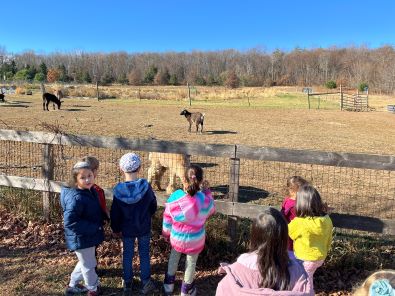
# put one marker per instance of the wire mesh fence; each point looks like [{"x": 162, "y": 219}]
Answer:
[{"x": 356, "y": 191}]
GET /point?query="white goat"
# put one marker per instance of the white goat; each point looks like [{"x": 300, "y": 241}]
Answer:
[{"x": 177, "y": 164}]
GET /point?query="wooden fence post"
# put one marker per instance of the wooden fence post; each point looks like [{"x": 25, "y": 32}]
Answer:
[
  {"x": 189, "y": 94},
  {"x": 97, "y": 90},
  {"x": 341, "y": 98},
  {"x": 233, "y": 195},
  {"x": 47, "y": 172}
]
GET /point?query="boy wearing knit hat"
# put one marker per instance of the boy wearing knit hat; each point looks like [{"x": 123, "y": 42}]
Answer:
[{"x": 134, "y": 203}]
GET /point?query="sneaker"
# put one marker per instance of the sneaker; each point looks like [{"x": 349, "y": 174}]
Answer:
[
  {"x": 77, "y": 289},
  {"x": 168, "y": 284},
  {"x": 94, "y": 293},
  {"x": 127, "y": 288},
  {"x": 149, "y": 287},
  {"x": 188, "y": 289}
]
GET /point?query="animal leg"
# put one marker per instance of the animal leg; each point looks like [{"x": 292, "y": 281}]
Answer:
[
  {"x": 171, "y": 187},
  {"x": 53, "y": 105},
  {"x": 190, "y": 125},
  {"x": 46, "y": 105}
]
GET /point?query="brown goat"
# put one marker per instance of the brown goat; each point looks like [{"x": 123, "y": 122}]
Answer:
[
  {"x": 196, "y": 117},
  {"x": 160, "y": 162}
]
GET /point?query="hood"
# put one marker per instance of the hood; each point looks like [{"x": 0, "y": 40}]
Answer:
[
  {"x": 131, "y": 192},
  {"x": 184, "y": 208},
  {"x": 319, "y": 225}
]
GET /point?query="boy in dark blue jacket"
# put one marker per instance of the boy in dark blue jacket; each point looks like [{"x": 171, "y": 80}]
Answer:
[{"x": 134, "y": 203}]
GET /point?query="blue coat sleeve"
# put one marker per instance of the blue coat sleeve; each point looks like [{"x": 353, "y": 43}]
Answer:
[
  {"x": 115, "y": 216},
  {"x": 153, "y": 204}
]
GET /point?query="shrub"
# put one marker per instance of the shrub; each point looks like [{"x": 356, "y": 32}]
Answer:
[
  {"x": 39, "y": 77},
  {"x": 330, "y": 84},
  {"x": 232, "y": 81},
  {"x": 363, "y": 86},
  {"x": 53, "y": 75},
  {"x": 22, "y": 74}
]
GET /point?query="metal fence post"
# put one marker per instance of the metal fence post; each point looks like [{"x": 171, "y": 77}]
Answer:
[
  {"x": 47, "y": 173},
  {"x": 233, "y": 195}
]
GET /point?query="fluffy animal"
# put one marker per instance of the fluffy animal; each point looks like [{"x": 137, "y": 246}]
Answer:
[
  {"x": 47, "y": 98},
  {"x": 160, "y": 162},
  {"x": 196, "y": 118}
]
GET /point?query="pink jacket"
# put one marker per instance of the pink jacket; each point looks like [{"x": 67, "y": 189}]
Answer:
[
  {"x": 288, "y": 208},
  {"x": 184, "y": 218},
  {"x": 242, "y": 278}
]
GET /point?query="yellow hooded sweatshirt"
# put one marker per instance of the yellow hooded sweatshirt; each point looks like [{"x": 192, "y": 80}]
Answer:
[{"x": 312, "y": 237}]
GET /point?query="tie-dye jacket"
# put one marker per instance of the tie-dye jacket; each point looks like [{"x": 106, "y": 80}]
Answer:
[{"x": 184, "y": 218}]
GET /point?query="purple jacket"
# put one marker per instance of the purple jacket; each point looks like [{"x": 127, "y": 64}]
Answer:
[{"x": 242, "y": 278}]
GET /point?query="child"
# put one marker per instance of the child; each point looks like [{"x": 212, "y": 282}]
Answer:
[
  {"x": 266, "y": 269},
  {"x": 94, "y": 165},
  {"x": 379, "y": 283},
  {"x": 311, "y": 230},
  {"x": 288, "y": 205},
  {"x": 183, "y": 222},
  {"x": 133, "y": 205},
  {"x": 83, "y": 228}
]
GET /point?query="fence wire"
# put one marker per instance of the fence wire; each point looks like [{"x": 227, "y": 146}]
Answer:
[{"x": 352, "y": 191}]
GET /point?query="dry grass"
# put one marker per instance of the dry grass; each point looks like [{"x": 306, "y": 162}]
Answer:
[{"x": 276, "y": 117}]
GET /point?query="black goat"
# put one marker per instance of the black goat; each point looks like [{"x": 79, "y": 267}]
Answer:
[
  {"x": 47, "y": 98},
  {"x": 2, "y": 95},
  {"x": 194, "y": 117}
]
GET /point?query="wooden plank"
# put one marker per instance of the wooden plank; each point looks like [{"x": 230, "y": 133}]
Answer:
[
  {"x": 367, "y": 161},
  {"x": 31, "y": 183},
  {"x": 219, "y": 150},
  {"x": 363, "y": 223},
  {"x": 355, "y": 222}
]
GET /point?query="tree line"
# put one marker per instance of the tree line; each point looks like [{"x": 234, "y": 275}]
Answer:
[{"x": 299, "y": 67}]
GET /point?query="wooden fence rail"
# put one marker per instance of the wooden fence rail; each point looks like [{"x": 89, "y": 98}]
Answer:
[{"x": 230, "y": 207}]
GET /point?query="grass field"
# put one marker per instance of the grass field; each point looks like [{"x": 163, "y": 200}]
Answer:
[{"x": 274, "y": 118}]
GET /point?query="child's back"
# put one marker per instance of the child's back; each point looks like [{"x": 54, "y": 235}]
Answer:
[
  {"x": 183, "y": 222},
  {"x": 184, "y": 219},
  {"x": 133, "y": 205}
]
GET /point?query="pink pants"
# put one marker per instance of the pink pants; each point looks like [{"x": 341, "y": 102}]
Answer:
[{"x": 311, "y": 267}]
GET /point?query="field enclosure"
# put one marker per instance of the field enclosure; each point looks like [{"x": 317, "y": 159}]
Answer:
[
  {"x": 252, "y": 175},
  {"x": 257, "y": 117}
]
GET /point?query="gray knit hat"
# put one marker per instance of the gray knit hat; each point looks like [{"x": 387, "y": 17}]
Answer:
[{"x": 129, "y": 162}]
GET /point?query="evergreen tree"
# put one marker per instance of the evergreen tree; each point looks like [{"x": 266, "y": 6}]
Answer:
[
  {"x": 150, "y": 74},
  {"x": 173, "y": 79},
  {"x": 43, "y": 69}
]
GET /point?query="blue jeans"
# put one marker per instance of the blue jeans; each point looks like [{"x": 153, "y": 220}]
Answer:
[{"x": 128, "y": 254}]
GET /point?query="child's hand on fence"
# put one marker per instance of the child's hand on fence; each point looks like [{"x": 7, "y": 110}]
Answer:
[{"x": 205, "y": 185}]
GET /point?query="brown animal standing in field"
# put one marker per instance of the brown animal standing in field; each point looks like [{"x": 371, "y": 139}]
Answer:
[
  {"x": 160, "y": 162},
  {"x": 47, "y": 98},
  {"x": 195, "y": 117}
]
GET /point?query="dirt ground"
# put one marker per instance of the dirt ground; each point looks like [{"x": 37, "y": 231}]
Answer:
[{"x": 325, "y": 130}]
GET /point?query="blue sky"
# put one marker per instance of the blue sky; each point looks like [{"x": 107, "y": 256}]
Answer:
[{"x": 186, "y": 25}]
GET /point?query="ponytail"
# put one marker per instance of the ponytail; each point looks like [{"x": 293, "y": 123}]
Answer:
[{"x": 194, "y": 177}]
